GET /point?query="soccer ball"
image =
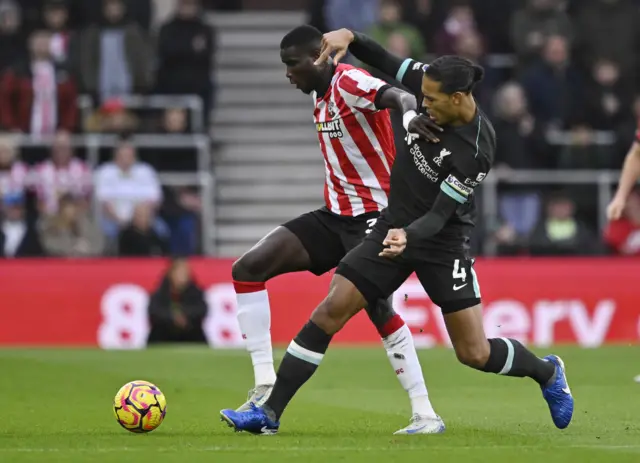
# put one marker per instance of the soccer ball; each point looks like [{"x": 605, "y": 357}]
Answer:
[{"x": 139, "y": 406}]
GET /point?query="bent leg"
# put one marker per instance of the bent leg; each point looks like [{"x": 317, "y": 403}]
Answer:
[
  {"x": 306, "y": 351},
  {"x": 279, "y": 252},
  {"x": 498, "y": 355},
  {"x": 510, "y": 358},
  {"x": 377, "y": 278}
]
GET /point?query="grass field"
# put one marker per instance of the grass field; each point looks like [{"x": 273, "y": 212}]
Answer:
[{"x": 55, "y": 407}]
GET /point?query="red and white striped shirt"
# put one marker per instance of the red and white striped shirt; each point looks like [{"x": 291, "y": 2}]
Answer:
[
  {"x": 51, "y": 182},
  {"x": 356, "y": 140}
]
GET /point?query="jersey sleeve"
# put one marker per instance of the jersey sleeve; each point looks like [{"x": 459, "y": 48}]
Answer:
[
  {"x": 360, "y": 90},
  {"x": 469, "y": 169},
  {"x": 410, "y": 75}
]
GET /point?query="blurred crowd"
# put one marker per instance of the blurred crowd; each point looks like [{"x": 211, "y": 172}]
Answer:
[
  {"x": 562, "y": 86},
  {"x": 53, "y": 202}
]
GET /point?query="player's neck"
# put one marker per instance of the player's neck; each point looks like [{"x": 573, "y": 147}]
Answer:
[
  {"x": 467, "y": 112},
  {"x": 325, "y": 81}
]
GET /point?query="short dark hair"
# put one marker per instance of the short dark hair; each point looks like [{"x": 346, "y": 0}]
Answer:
[
  {"x": 302, "y": 36},
  {"x": 455, "y": 74}
]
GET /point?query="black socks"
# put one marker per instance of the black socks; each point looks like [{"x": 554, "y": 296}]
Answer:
[
  {"x": 299, "y": 363},
  {"x": 509, "y": 357}
]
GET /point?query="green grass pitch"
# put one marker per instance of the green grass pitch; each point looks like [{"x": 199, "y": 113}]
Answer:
[{"x": 55, "y": 407}]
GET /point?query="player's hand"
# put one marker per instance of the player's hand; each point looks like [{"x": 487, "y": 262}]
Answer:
[
  {"x": 335, "y": 42},
  {"x": 426, "y": 128},
  {"x": 396, "y": 241},
  {"x": 615, "y": 208}
]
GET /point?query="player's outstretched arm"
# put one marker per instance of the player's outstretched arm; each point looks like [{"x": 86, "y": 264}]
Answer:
[
  {"x": 372, "y": 53},
  {"x": 408, "y": 71},
  {"x": 363, "y": 48},
  {"x": 405, "y": 103},
  {"x": 628, "y": 179}
]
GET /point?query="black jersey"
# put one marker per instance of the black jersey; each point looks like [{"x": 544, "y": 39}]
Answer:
[{"x": 455, "y": 166}]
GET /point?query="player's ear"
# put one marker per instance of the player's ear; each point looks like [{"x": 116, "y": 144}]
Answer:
[{"x": 456, "y": 98}]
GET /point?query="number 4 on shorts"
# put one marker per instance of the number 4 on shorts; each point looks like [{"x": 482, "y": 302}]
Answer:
[{"x": 459, "y": 272}]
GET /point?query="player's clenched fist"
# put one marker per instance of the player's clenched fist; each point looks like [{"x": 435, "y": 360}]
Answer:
[
  {"x": 335, "y": 42},
  {"x": 396, "y": 241}
]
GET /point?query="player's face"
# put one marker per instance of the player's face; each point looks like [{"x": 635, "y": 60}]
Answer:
[
  {"x": 441, "y": 107},
  {"x": 301, "y": 71}
]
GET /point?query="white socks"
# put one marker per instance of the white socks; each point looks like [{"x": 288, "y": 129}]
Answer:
[
  {"x": 404, "y": 360},
  {"x": 254, "y": 318}
]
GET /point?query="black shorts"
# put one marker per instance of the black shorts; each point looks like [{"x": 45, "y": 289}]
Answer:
[
  {"x": 328, "y": 237},
  {"x": 447, "y": 275}
]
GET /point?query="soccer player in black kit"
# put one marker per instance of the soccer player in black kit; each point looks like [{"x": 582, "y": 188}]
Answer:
[{"x": 425, "y": 229}]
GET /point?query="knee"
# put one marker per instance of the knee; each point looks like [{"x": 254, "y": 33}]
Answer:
[
  {"x": 330, "y": 315},
  {"x": 473, "y": 355},
  {"x": 249, "y": 267},
  {"x": 380, "y": 312}
]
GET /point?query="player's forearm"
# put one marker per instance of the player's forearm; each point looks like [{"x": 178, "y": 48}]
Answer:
[
  {"x": 433, "y": 221},
  {"x": 394, "y": 98},
  {"x": 370, "y": 52},
  {"x": 630, "y": 171},
  {"x": 425, "y": 227}
]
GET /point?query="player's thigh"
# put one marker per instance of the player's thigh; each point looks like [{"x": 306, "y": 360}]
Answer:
[
  {"x": 319, "y": 233},
  {"x": 452, "y": 284},
  {"x": 278, "y": 252},
  {"x": 343, "y": 302},
  {"x": 376, "y": 277},
  {"x": 355, "y": 231}
]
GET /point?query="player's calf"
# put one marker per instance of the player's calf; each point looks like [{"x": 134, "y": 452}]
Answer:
[
  {"x": 474, "y": 355},
  {"x": 506, "y": 357},
  {"x": 381, "y": 314},
  {"x": 277, "y": 253},
  {"x": 299, "y": 363},
  {"x": 254, "y": 319},
  {"x": 307, "y": 350},
  {"x": 498, "y": 355},
  {"x": 510, "y": 358}
]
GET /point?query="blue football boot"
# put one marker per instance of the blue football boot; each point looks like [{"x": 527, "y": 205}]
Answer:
[
  {"x": 254, "y": 420},
  {"x": 558, "y": 395}
]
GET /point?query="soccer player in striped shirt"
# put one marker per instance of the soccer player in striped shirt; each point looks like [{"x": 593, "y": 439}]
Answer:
[
  {"x": 425, "y": 229},
  {"x": 356, "y": 141}
]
